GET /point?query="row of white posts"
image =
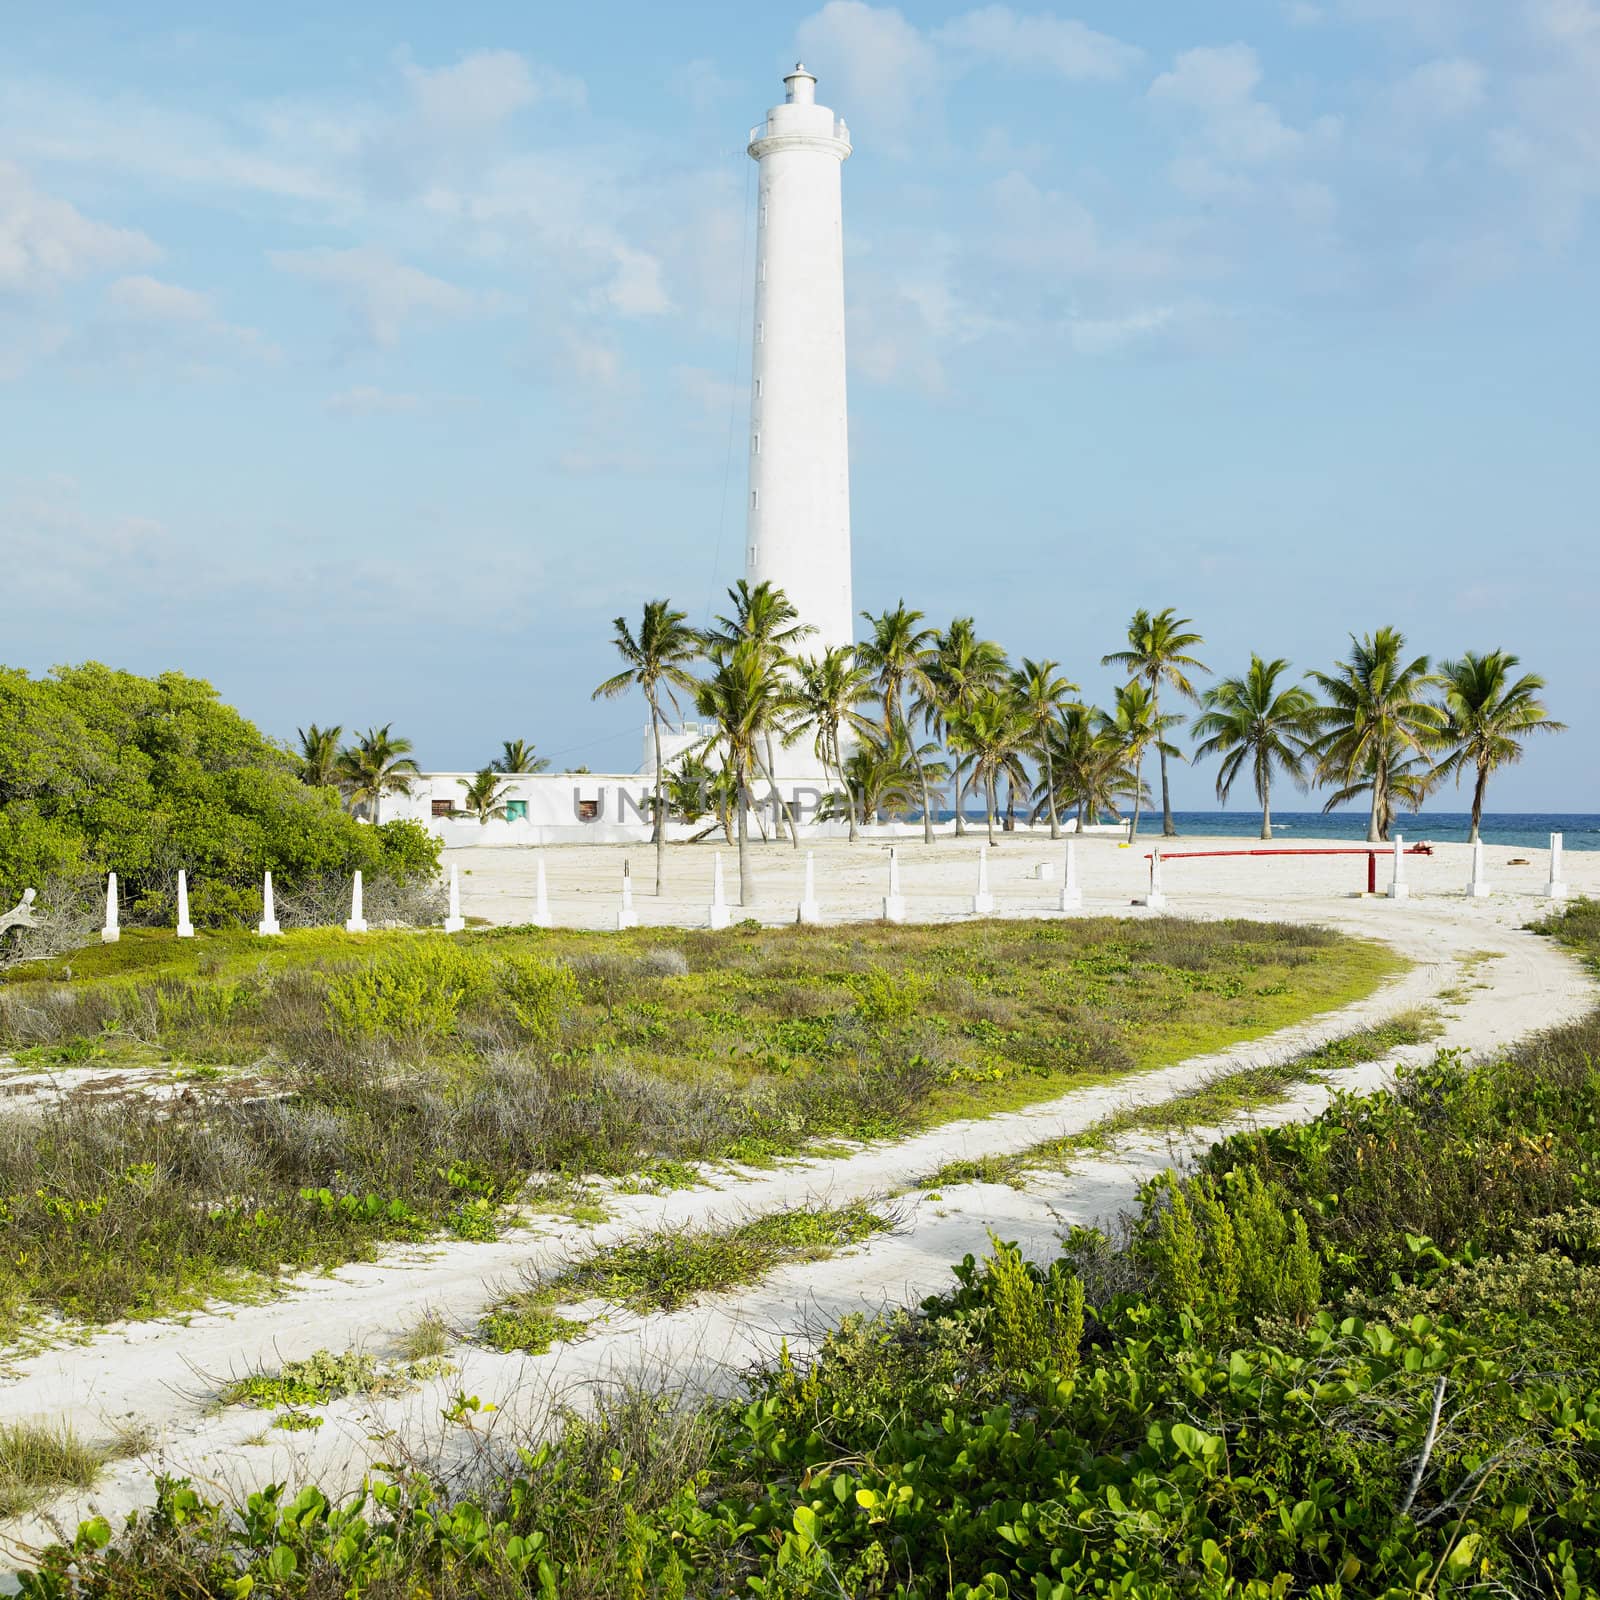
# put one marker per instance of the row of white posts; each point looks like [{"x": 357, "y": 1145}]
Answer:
[
  {"x": 1478, "y": 886},
  {"x": 268, "y": 926},
  {"x": 808, "y": 914}
]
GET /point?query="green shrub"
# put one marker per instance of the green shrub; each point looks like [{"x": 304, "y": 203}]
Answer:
[
  {"x": 887, "y": 999},
  {"x": 539, "y": 995},
  {"x": 414, "y": 991}
]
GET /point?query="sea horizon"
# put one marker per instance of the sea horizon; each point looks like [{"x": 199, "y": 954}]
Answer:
[{"x": 1521, "y": 830}]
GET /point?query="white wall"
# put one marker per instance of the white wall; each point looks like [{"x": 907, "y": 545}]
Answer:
[{"x": 554, "y": 801}]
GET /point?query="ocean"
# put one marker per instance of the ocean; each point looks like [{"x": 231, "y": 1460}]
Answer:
[{"x": 1523, "y": 830}]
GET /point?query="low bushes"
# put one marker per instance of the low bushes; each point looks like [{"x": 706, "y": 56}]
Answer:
[{"x": 1347, "y": 1359}]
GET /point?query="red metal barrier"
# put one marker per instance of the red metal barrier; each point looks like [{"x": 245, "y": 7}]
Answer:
[{"x": 1370, "y": 851}]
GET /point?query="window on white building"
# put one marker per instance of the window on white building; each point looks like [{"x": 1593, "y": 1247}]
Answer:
[
  {"x": 758, "y": 388},
  {"x": 755, "y": 444},
  {"x": 755, "y": 499}
]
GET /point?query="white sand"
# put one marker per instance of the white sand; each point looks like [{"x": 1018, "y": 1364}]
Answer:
[{"x": 1497, "y": 983}]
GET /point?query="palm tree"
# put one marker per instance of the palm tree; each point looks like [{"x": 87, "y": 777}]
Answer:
[
  {"x": 1137, "y": 722},
  {"x": 1042, "y": 696},
  {"x": 1251, "y": 720},
  {"x": 319, "y": 755},
  {"x": 656, "y": 663},
  {"x": 1088, "y": 765},
  {"x": 899, "y": 656},
  {"x": 746, "y": 696},
  {"x": 882, "y": 777},
  {"x": 1157, "y": 653},
  {"x": 1488, "y": 717},
  {"x": 963, "y": 666},
  {"x": 1377, "y": 725},
  {"x": 827, "y": 695},
  {"x": 766, "y": 615},
  {"x": 485, "y": 798},
  {"x": 993, "y": 733},
  {"x": 375, "y": 765},
  {"x": 517, "y": 755}
]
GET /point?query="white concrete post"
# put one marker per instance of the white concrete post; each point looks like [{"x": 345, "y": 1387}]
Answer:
[
  {"x": 1045, "y": 872},
  {"x": 268, "y": 925},
  {"x": 808, "y": 915},
  {"x": 1071, "y": 894},
  {"x": 541, "y": 897},
  {"x": 894, "y": 905},
  {"x": 111, "y": 932},
  {"x": 1555, "y": 889},
  {"x": 1399, "y": 889},
  {"x": 1478, "y": 885},
  {"x": 357, "y": 922},
  {"x": 1156, "y": 900},
  {"x": 719, "y": 916},
  {"x": 627, "y": 917},
  {"x": 454, "y": 922},
  {"x": 185, "y": 926},
  {"x": 983, "y": 901}
]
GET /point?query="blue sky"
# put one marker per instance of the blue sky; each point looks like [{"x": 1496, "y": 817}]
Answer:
[{"x": 366, "y": 360}]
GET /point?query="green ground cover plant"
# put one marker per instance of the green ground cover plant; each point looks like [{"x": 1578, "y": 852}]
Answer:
[
  {"x": 411, "y": 1084},
  {"x": 670, "y": 1267},
  {"x": 1345, "y": 1359},
  {"x": 326, "y": 1375}
]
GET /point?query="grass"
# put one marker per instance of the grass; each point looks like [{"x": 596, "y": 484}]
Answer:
[
  {"x": 672, "y": 1267},
  {"x": 402, "y": 1086},
  {"x": 1225, "y": 1098},
  {"x": 38, "y": 1460}
]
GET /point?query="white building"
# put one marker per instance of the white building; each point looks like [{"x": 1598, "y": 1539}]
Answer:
[{"x": 798, "y": 515}]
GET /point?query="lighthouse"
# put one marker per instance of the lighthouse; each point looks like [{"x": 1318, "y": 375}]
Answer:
[{"x": 798, "y": 516}]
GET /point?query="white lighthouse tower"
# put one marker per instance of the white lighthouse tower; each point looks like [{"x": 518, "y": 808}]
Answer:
[{"x": 799, "y": 507}]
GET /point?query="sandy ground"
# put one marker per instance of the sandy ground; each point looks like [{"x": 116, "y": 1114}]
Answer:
[{"x": 1490, "y": 981}]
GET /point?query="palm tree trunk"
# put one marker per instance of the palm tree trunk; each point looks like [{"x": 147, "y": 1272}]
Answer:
[
  {"x": 746, "y": 885},
  {"x": 922, "y": 777},
  {"x": 1266, "y": 814},
  {"x": 844, "y": 787},
  {"x": 783, "y": 821},
  {"x": 377, "y": 806},
  {"x": 1477, "y": 802},
  {"x": 1011, "y": 803},
  {"x": 961, "y": 799},
  {"x": 1138, "y": 791},
  {"x": 661, "y": 809},
  {"x": 1377, "y": 822},
  {"x": 1169, "y": 829},
  {"x": 989, "y": 803},
  {"x": 1050, "y": 795}
]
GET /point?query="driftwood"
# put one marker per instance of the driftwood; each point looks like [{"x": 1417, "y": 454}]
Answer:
[{"x": 20, "y": 915}]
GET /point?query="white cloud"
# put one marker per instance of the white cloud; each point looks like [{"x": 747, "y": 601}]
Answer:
[
  {"x": 1039, "y": 43},
  {"x": 1441, "y": 90},
  {"x": 486, "y": 87},
  {"x": 1099, "y": 336},
  {"x": 700, "y": 83},
  {"x": 1219, "y": 83},
  {"x": 1303, "y": 14},
  {"x": 364, "y": 400},
  {"x": 155, "y": 301},
  {"x": 714, "y": 396},
  {"x": 382, "y": 294},
  {"x": 636, "y": 290},
  {"x": 45, "y": 241},
  {"x": 888, "y": 73}
]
